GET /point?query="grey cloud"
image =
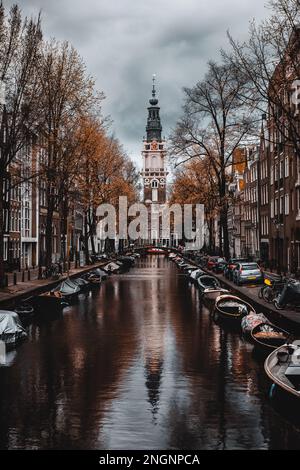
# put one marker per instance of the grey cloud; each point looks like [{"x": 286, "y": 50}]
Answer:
[{"x": 124, "y": 41}]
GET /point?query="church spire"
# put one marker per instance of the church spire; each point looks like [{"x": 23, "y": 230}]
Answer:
[{"x": 153, "y": 128}]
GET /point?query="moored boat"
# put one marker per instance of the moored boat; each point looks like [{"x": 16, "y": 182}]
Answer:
[
  {"x": 230, "y": 307},
  {"x": 252, "y": 320},
  {"x": 83, "y": 284},
  {"x": 98, "y": 272},
  {"x": 112, "y": 268},
  {"x": 282, "y": 366},
  {"x": 267, "y": 336},
  {"x": 213, "y": 294},
  {"x": 51, "y": 301},
  {"x": 194, "y": 276},
  {"x": 24, "y": 310},
  {"x": 210, "y": 288},
  {"x": 11, "y": 329},
  {"x": 68, "y": 289}
]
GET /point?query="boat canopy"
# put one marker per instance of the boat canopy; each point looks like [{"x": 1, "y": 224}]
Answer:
[
  {"x": 98, "y": 272},
  {"x": 67, "y": 288},
  {"x": 10, "y": 324},
  {"x": 111, "y": 267}
]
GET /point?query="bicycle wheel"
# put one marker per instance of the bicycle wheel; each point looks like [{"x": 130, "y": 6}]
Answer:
[
  {"x": 260, "y": 295},
  {"x": 278, "y": 306},
  {"x": 268, "y": 294}
]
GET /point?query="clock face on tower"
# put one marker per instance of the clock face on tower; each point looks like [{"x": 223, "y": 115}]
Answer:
[{"x": 154, "y": 145}]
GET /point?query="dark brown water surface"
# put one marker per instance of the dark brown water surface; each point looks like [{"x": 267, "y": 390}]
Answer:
[{"x": 139, "y": 364}]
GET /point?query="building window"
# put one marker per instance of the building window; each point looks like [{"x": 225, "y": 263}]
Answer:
[
  {"x": 281, "y": 169},
  {"x": 276, "y": 207},
  {"x": 272, "y": 175},
  {"x": 154, "y": 195},
  {"x": 286, "y": 204},
  {"x": 154, "y": 184},
  {"x": 287, "y": 167},
  {"x": 281, "y": 205}
]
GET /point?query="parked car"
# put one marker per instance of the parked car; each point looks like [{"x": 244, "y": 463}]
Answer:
[
  {"x": 213, "y": 260},
  {"x": 219, "y": 267},
  {"x": 247, "y": 272},
  {"x": 231, "y": 265}
]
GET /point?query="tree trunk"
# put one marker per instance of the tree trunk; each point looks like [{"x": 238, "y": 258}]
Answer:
[
  {"x": 2, "y": 230},
  {"x": 221, "y": 237},
  {"x": 64, "y": 229},
  {"x": 224, "y": 225},
  {"x": 49, "y": 234},
  {"x": 92, "y": 229},
  {"x": 86, "y": 237},
  {"x": 224, "y": 215}
]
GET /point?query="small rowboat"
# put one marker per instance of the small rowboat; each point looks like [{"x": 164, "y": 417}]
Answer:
[
  {"x": 267, "y": 336},
  {"x": 210, "y": 288},
  {"x": 194, "y": 276},
  {"x": 282, "y": 366},
  {"x": 51, "y": 301},
  {"x": 251, "y": 321},
  {"x": 24, "y": 310},
  {"x": 213, "y": 294},
  {"x": 68, "y": 289},
  {"x": 230, "y": 307}
]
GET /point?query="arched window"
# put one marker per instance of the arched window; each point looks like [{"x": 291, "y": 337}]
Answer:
[{"x": 154, "y": 184}]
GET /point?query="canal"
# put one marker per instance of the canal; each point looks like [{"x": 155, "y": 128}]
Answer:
[{"x": 139, "y": 364}]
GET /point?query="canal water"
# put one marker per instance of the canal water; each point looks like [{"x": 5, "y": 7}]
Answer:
[{"x": 139, "y": 364}]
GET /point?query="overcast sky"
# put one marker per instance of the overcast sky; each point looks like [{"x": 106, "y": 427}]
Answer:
[{"x": 124, "y": 42}]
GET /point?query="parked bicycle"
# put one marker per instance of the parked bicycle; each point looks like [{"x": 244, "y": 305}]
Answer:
[
  {"x": 271, "y": 288},
  {"x": 54, "y": 272},
  {"x": 289, "y": 296}
]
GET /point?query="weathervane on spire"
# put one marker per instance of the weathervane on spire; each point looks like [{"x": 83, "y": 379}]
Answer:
[{"x": 153, "y": 88}]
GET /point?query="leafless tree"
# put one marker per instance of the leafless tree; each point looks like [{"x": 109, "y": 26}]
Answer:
[
  {"x": 20, "y": 41},
  {"x": 213, "y": 126},
  {"x": 269, "y": 61}
]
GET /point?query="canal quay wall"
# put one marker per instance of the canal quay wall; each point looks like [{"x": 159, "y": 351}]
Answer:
[
  {"x": 10, "y": 296},
  {"x": 288, "y": 319}
]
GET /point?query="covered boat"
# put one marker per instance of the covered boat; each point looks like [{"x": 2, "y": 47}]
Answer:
[
  {"x": 282, "y": 366},
  {"x": 112, "y": 267},
  {"x": 11, "y": 329},
  {"x": 83, "y": 284},
  {"x": 68, "y": 289},
  {"x": 251, "y": 321},
  {"x": 196, "y": 274},
  {"x": 98, "y": 272},
  {"x": 230, "y": 307},
  {"x": 267, "y": 336}
]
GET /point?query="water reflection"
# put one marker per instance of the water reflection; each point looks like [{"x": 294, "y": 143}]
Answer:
[{"x": 138, "y": 364}]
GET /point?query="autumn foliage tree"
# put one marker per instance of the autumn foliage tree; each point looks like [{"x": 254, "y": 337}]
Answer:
[
  {"x": 194, "y": 183},
  {"x": 67, "y": 95},
  {"x": 105, "y": 174}
]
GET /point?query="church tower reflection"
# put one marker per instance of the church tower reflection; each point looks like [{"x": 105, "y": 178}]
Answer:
[{"x": 154, "y": 341}]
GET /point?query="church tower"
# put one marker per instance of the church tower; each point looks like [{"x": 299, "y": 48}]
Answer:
[{"x": 154, "y": 156}]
